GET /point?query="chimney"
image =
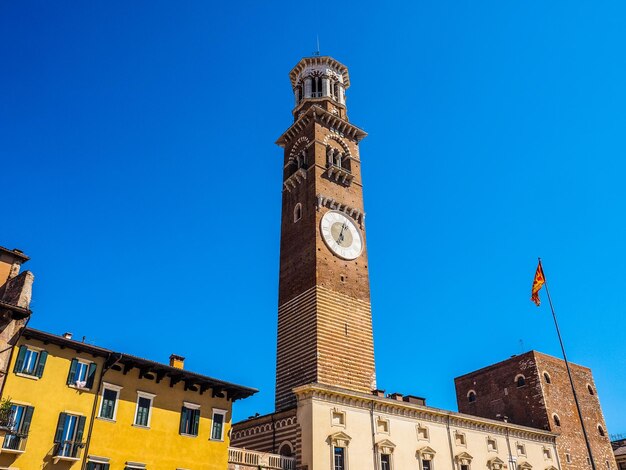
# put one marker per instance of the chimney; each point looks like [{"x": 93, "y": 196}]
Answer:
[
  {"x": 177, "y": 361},
  {"x": 67, "y": 335},
  {"x": 379, "y": 393},
  {"x": 396, "y": 396},
  {"x": 415, "y": 400}
]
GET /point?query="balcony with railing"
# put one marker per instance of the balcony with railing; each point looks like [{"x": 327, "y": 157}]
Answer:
[
  {"x": 243, "y": 459},
  {"x": 14, "y": 443},
  {"x": 339, "y": 174},
  {"x": 67, "y": 450}
]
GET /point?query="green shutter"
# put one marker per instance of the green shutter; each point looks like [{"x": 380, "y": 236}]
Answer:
[
  {"x": 183, "y": 420},
  {"x": 106, "y": 466},
  {"x": 91, "y": 374},
  {"x": 72, "y": 374},
  {"x": 28, "y": 417},
  {"x": 196, "y": 422},
  {"x": 19, "y": 362},
  {"x": 58, "y": 435},
  {"x": 41, "y": 363},
  {"x": 80, "y": 429},
  {"x": 90, "y": 466}
]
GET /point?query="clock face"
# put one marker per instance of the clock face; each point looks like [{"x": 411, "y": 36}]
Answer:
[{"x": 341, "y": 235}]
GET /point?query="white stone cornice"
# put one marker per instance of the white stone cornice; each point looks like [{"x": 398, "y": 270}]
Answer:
[{"x": 345, "y": 397}]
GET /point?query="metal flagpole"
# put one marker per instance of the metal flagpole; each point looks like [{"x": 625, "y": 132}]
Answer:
[{"x": 569, "y": 372}]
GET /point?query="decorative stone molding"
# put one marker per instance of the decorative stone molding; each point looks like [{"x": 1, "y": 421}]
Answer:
[
  {"x": 339, "y": 439},
  {"x": 342, "y": 397},
  {"x": 302, "y": 143},
  {"x": 463, "y": 458},
  {"x": 385, "y": 446},
  {"x": 426, "y": 453},
  {"x": 525, "y": 466},
  {"x": 294, "y": 180},
  {"x": 495, "y": 463},
  {"x": 326, "y": 201},
  {"x": 320, "y": 115}
]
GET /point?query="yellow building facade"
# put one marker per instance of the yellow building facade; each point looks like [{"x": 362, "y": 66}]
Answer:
[{"x": 84, "y": 407}]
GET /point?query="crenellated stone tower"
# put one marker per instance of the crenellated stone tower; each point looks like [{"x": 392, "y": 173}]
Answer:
[{"x": 324, "y": 315}]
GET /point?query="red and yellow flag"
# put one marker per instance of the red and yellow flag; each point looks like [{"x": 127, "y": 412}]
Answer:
[{"x": 538, "y": 283}]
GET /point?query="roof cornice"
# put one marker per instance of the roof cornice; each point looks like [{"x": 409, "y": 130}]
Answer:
[
  {"x": 410, "y": 410},
  {"x": 322, "y": 116}
]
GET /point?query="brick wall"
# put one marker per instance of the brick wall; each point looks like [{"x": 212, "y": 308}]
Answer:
[{"x": 546, "y": 392}]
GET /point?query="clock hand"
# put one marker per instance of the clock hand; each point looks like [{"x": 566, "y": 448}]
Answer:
[{"x": 343, "y": 227}]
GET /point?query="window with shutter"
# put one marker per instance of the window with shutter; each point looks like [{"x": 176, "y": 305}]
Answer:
[
  {"x": 69, "y": 436},
  {"x": 30, "y": 361},
  {"x": 21, "y": 417}
]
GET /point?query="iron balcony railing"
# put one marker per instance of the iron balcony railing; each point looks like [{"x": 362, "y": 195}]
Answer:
[
  {"x": 68, "y": 450},
  {"x": 14, "y": 441}
]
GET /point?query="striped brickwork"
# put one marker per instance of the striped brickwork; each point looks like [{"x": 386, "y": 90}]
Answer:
[
  {"x": 271, "y": 433},
  {"x": 324, "y": 337}
]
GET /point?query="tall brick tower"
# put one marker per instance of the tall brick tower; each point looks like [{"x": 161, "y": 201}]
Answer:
[
  {"x": 324, "y": 315},
  {"x": 533, "y": 389}
]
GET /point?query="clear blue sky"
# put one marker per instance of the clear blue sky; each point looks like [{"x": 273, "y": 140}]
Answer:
[{"x": 140, "y": 174}]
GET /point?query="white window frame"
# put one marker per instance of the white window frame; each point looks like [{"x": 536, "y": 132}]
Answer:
[
  {"x": 117, "y": 389},
  {"x": 345, "y": 456},
  {"x": 32, "y": 350},
  {"x": 135, "y": 465},
  {"x": 218, "y": 411},
  {"x": 380, "y": 460},
  {"x": 149, "y": 396},
  {"x": 495, "y": 444}
]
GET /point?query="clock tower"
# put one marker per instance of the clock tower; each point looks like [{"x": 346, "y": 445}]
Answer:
[{"x": 324, "y": 314}]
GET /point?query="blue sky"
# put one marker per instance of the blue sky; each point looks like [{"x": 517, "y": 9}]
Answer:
[{"x": 141, "y": 176}]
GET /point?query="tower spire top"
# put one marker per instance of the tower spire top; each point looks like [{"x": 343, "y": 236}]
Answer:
[{"x": 317, "y": 51}]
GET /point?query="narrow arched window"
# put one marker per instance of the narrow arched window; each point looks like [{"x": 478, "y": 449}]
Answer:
[
  {"x": 285, "y": 450},
  {"x": 520, "y": 380},
  {"x": 556, "y": 419},
  {"x": 316, "y": 87},
  {"x": 546, "y": 377},
  {"x": 297, "y": 212},
  {"x": 302, "y": 159},
  {"x": 471, "y": 396},
  {"x": 298, "y": 94},
  {"x": 590, "y": 390},
  {"x": 600, "y": 430}
]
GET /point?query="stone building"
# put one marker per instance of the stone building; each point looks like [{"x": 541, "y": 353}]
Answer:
[
  {"x": 619, "y": 451},
  {"x": 15, "y": 295},
  {"x": 533, "y": 389},
  {"x": 329, "y": 413}
]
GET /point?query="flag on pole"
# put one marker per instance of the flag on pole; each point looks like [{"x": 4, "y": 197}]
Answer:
[{"x": 538, "y": 283}]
